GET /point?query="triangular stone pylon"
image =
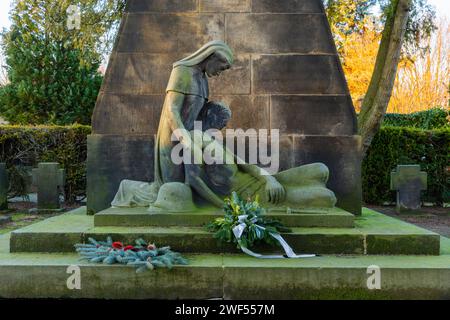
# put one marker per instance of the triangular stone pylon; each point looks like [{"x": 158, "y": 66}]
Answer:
[{"x": 287, "y": 76}]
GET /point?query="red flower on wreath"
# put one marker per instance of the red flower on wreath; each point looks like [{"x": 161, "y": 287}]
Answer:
[
  {"x": 117, "y": 245},
  {"x": 128, "y": 248}
]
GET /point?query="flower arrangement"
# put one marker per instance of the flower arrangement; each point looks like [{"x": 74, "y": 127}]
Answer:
[
  {"x": 142, "y": 256},
  {"x": 244, "y": 224}
]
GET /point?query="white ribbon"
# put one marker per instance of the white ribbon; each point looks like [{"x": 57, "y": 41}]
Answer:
[{"x": 240, "y": 228}]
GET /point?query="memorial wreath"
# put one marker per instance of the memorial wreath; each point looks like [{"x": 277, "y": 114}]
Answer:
[{"x": 245, "y": 225}]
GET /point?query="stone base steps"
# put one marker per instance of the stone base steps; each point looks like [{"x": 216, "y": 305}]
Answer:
[
  {"x": 27, "y": 272},
  {"x": 41, "y": 275},
  {"x": 139, "y": 217},
  {"x": 374, "y": 234}
]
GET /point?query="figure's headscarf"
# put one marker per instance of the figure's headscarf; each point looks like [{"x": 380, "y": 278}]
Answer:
[{"x": 205, "y": 51}]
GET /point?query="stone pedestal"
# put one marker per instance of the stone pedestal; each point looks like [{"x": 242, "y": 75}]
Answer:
[
  {"x": 414, "y": 262},
  {"x": 112, "y": 158},
  {"x": 287, "y": 76}
]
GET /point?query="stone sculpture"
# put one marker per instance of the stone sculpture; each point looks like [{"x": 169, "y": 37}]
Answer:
[
  {"x": 187, "y": 101},
  {"x": 186, "y": 95}
]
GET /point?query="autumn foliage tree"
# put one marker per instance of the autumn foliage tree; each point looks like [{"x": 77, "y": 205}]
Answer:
[
  {"x": 423, "y": 80},
  {"x": 405, "y": 23},
  {"x": 423, "y": 75},
  {"x": 358, "y": 59}
]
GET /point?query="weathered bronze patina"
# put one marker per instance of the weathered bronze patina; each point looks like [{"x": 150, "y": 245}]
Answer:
[
  {"x": 186, "y": 95},
  {"x": 187, "y": 101},
  {"x": 296, "y": 188}
]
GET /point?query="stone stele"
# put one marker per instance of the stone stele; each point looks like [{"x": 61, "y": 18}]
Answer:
[
  {"x": 286, "y": 75},
  {"x": 48, "y": 178},
  {"x": 409, "y": 182}
]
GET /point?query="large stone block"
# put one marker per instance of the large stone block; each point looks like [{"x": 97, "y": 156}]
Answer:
[
  {"x": 287, "y": 6},
  {"x": 161, "y": 6},
  {"x": 287, "y": 50},
  {"x": 298, "y": 74},
  {"x": 148, "y": 74},
  {"x": 139, "y": 217},
  {"x": 342, "y": 155},
  {"x": 248, "y": 112},
  {"x": 139, "y": 74},
  {"x": 225, "y": 5},
  {"x": 313, "y": 115},
  {"x": 283, "y": 154},
  {"x": 127, "y": 114},
  {"x": 278, "y": 33},
  {"x": 162, "y": 33},
  {"x": 404, "y": 243},
  {"x": 235, "y": 81},
  {"x": 112, "y": 158}
]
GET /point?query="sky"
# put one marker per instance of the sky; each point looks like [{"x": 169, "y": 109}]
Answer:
[
  {"x": 4, "y": 9},
  {"x": 442, "y": 7}
]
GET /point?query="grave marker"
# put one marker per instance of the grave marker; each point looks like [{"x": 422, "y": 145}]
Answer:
[
  {"x": 408, "y": 181},
  {"x": 48, "y": 178}
]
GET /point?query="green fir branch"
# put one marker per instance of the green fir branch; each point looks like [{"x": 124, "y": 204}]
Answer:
[{"x": 142, "y": 256}]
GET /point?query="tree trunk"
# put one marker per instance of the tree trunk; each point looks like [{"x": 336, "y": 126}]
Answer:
[{"x": 381, "y": 85}]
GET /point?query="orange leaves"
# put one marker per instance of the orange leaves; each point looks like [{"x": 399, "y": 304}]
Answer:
[{"x": 422, "y": 81}]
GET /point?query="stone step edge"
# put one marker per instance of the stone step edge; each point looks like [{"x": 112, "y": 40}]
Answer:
[
  {"x": 336, "y": 218},
  {"x": 199, "y": 241},
  {"x": 226, "y": 278},
  {"x": 298, "y": 220}
]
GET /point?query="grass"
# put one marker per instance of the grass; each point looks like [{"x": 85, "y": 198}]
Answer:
[
  {"x": 22, "y": 219},
  {"x": 19, "y": 212}
]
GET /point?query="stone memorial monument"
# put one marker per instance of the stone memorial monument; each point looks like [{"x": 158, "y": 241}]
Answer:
[
  {"x": 249, "y": 64},
  {"x": 278, "y": 81}
]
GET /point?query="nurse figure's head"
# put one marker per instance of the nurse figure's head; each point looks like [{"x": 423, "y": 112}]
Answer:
[{"x": 214, "y": 58}]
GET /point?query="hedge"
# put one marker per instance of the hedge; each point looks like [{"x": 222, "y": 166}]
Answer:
[
  {"x": 396, "y": 145},
  {"x": 22, "y": 146},
  {"x": 435, "y": 118},
  {"x": 26, "y": 146}
]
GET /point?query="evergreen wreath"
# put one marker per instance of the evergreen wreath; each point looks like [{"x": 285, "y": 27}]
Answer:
[
  {"x": 258, "y": 227},
  {"x": 142, "y": 256}
]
